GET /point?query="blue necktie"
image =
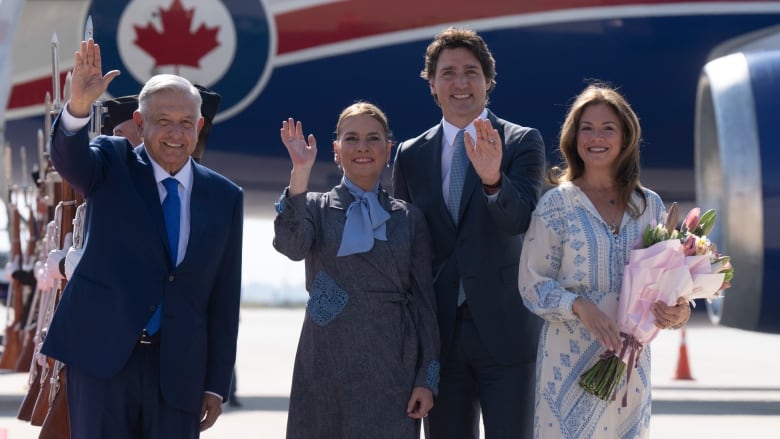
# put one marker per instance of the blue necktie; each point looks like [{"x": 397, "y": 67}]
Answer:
[
  {"x": 460, "y": 162},
  {"x": 171, "y": 211},
  {"x": 457, "y": 175}
]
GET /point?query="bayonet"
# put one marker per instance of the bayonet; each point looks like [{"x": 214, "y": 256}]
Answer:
[
  {"x": 55, "y": 71},
  {"x": 88, "y": 30},
  {"x": 41, "y": 157},
  {"x": 23, "y": 159},
  {"x": 96, "y": 124},
  {"x": 47, "y": 115}
]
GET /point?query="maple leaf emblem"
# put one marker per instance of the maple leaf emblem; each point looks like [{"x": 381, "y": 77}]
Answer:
[{"x": 176, "y": 44}]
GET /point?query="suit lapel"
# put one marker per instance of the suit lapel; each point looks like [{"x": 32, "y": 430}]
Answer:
[
  {"x": 470, "y": 185},
  {"x": 199, "y": 208},
  {"x": 430, "y": 165},
  {"x": 143, "y": 179}
]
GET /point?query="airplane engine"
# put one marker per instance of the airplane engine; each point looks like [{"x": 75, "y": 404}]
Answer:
[{"x": 737, "y": 167}]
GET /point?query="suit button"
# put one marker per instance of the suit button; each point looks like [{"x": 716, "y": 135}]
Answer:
[
  {"x": 152, "y": 308},
  {"x": 170, "y": 278}
]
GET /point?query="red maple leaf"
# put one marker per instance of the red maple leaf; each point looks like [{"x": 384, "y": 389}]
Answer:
[{"x": 176, "y": 45}]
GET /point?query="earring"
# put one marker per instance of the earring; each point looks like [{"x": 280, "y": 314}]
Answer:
[{"x": 387, "y": 164}]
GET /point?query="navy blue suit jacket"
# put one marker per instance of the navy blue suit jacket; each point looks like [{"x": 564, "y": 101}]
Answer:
[
  {"x": 125, "y": 271},
  {"x": 484, "y": 248}
]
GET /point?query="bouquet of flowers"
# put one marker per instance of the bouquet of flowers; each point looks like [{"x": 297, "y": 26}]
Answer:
[{"x": 670, "y": 263}]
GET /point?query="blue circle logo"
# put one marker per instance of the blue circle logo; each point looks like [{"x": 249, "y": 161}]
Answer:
[{"x": 197, "y": 39}]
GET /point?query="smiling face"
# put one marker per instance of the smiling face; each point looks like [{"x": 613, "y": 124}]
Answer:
[
  {"x": 599, "y": 137},
  {"x": 169, "y": 127},
  {"x": 460, "y": 86},
  {"x": 362, "y": 148}
]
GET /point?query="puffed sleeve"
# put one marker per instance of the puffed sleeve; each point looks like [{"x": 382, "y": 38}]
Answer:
[
  {"x": 541, "y": 260},
  {"x": 294, "y": 229}
]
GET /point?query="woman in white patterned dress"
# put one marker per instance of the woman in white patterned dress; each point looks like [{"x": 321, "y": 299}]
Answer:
[{"x": 572, "y": 264}]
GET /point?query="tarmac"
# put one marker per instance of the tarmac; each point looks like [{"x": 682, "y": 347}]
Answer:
[{"x": 735, "y": 390}]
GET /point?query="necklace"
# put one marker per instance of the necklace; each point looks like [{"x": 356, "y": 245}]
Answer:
[{"x": 605, "y": 205}]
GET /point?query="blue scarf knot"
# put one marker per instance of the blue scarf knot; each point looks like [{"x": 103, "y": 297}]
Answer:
[{"x": 366, "y": 220}]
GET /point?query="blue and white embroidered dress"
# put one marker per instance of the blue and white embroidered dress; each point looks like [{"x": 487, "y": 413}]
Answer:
[{"x": 569, "y": 251}]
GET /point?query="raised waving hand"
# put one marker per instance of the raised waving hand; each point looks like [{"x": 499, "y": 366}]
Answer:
[
  {"x": 88, "y": 82},
  {"x": 485, "y": 151},
  {"x": 302, "y": 154}
]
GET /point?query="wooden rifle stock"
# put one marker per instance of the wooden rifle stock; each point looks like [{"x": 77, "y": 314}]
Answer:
[
  {"x": 41, "y": 405},
  {"x": 28, "y": 403},
  {"x": 57, "y": 422},
  {"x": 12, "y": 341}
]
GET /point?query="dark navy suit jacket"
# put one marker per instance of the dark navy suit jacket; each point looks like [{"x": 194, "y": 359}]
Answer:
[
  {"x": 125, "y": 271},
  {"x": 484, "y": 248}
]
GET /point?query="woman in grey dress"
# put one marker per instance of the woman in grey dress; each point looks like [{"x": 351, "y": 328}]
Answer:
[{"x": 367, "y": 361}]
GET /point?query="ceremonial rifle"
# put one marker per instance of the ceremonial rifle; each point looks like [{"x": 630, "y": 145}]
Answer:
[
  {"x": 48, "y": 204},
  {"x": 56, "y": 424},
  {"x": 46, "y": 296},
  {"x": 28, "y": 332},
  {"x": 63, "y": 221},
  {"x": 14, "y": 301}
]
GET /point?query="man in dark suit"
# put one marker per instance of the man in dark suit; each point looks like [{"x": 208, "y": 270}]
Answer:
[
  {"x": 148, "y": 323},
  {"x": 488, "y": 337}
]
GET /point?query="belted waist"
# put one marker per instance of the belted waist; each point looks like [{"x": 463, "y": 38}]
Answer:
[
  {"x": 386, "y": 296},
  {"x": 147, "y": 339}
]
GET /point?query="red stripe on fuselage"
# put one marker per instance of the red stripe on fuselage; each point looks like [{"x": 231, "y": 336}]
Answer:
[
  {"x": 33, "y": 92},
  {"x": 351, "y": 19}
]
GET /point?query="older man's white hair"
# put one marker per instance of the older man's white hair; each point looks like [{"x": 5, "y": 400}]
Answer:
[{"x": 167, "y": 82}]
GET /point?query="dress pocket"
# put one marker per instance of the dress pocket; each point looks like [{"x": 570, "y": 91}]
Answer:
[{"x": 326, "y": 300}]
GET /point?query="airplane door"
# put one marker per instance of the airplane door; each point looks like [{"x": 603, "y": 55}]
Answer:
[{"x": 737, "y": 166}]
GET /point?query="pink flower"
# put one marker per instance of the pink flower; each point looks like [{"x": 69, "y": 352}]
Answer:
[
  {"x": 689, "y": 246},
  {"x": 692, "y": 219}
]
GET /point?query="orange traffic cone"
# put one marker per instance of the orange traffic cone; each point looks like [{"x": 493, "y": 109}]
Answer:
[{"x": 683, "y": 369}]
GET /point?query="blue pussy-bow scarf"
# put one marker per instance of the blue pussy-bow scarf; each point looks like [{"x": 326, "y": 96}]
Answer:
[{"x": 366, "y": 220}]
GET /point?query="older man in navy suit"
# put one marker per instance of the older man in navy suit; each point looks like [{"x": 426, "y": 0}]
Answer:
[
  {"x": 477, "y": 179},
  {"x": 148, "y": 323}
]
